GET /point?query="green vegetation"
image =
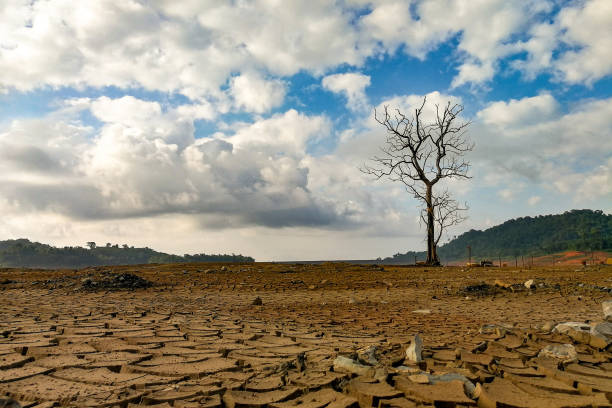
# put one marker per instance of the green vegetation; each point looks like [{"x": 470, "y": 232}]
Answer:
[
  {"x": 580, "y": 230},
  {"x": 24, "y": 253}
]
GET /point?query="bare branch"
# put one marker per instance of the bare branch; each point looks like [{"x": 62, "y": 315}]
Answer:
[{"x": 419, "y": 154}]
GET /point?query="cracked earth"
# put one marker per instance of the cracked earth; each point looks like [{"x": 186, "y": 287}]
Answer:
[{"x": 329, "y": 335}]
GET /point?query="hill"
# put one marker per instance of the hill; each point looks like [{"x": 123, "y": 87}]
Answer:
[
  {"x": 27, "y": 254},
  {"x": 575, "y": 230}
]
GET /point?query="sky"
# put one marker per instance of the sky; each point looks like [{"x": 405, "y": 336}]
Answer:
[{"x": 240, "y": 126}]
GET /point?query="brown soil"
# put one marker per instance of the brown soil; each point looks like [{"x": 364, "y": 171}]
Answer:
[{"x": 196, "y": 338}]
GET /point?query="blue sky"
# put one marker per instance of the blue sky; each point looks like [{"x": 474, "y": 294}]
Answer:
[{"x": 240, "y": 126}]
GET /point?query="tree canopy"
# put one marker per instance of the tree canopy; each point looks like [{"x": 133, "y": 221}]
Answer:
[
  {"x": 580, "y": 230},
  {"x": 24, "y": 253}
]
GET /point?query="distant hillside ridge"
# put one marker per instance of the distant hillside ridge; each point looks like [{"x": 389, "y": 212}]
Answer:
[
  {"x": 579, "y": 230},
  {"x": 24, "y": 253}
]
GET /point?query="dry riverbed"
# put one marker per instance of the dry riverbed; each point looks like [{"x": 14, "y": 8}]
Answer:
[{"x": 330, "y": 335}]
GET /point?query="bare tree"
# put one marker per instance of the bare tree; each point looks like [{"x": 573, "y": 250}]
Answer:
[{"x": 419, "y": 154}]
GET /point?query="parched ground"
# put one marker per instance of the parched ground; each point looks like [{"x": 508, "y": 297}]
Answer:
[{"x": 270, "y": 335}]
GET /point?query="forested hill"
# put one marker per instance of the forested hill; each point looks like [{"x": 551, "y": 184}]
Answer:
[
  {"x": 24, "y": 253},
  {"x": 580, "y": 230}
]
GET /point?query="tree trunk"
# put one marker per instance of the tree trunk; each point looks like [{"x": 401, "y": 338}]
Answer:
[{"x": 432, "y": 255}]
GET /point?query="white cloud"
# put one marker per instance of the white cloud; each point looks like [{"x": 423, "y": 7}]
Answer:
[
  {"x": 587, "y": 29},
  {"x": 256, "y": 94},
  {"x": 534, "y": 200},
  {"x": 191, "y": 49},
  {"x": 194, "y": 49},
  {"x": 484, "y": 28},
  {"x": 518, "y": 113},
  {"x": 532, "y": 140},
  {"x": 352, "y": 85},
  {"x": 145, "y": 161}
]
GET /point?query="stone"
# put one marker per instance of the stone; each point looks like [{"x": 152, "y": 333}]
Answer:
[
  {"x": 607, "y": 310},
  {"x": 257, "y": 301},
  {"x": 601, "y": 335},
  {"x": 9, "y": 403},
  {"x": 567, "y": 327},
  {"x": 530, "y": 284},
  {"x": 564, "y": 352},
  {"x": 548, "y": 326},
  {"x": 367, "y": 355},
  {"x": 414, "y": 352},
  {"x": 348, "y": 365},
  {"x": 422, "y": 311}
]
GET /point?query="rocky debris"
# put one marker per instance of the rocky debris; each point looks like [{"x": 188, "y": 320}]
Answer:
[
  {"x": 348, "y": 365},
  {"x": 564, "y": 352},
  {"x": 414, "y": 352},
  {"x": 530, "y": 284},
  {"x": 603, "y": 333},
  {"x": 481, "y": 289},
  {"x": 115, "y": 281},
  {"x": 9, "y": 403},
  {"x": 607, "y": 310},
  {"x": 367, "y": 355},
  {"x": 257, "y": 301}
]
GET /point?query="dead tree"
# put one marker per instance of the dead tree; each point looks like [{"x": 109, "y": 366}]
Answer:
[{"x": 419, "y": 154}]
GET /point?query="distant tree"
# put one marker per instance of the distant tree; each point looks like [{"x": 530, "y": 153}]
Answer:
[
  {"x": 91, "y": 245},
  {"x": 419, "y": 154}
]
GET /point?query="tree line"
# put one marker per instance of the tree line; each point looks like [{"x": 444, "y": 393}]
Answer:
[
  {"x": 579, "y": 230},
  {"x": 28, "y": 254}
]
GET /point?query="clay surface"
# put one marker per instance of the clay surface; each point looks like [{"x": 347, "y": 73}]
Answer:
[{"x": 284, "y": 335}]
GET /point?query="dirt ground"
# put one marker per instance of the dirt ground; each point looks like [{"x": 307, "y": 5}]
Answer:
[{"x": 270, "y": 335}]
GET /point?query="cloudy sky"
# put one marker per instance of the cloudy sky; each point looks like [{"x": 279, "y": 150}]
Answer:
[{"x": 239, "y": 126}]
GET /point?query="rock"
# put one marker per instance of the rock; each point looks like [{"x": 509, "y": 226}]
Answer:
[
  {"x": 530, "y": 284},
  {"x": 601, "y": 335},
  {"x": 502, "y": 284},
  {"x": 567, "y": 327},
  {"x": 9, "y": 403},
  {"x": 223, "y": 268},
  {"x": 607, "y": 310},
  {"x": 257, "y": 301},
  {"x": 564, "y": 352},
  {"x": 367, "y": 355},
  {"x": 414, "y": 352},
  {"x": 348, "y": 365},
  {"x": 422, "y": 311},
  {"x": 352, "y": 300},
  {"x": 548, "y": 326}
]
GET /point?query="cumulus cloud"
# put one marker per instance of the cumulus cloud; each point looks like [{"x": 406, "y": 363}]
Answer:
[
  {"x": 191, "y": 49},
  {"x": 144, "y": 161},
  {"x": 519, "y": 113},
  {"x": 194, "y": 48},
  {"x": 255, "y": 94},
  {"x": 352, "y": 85},
  {"x": 587, "y": 29},
  {"x": 532, "y": 140}
]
